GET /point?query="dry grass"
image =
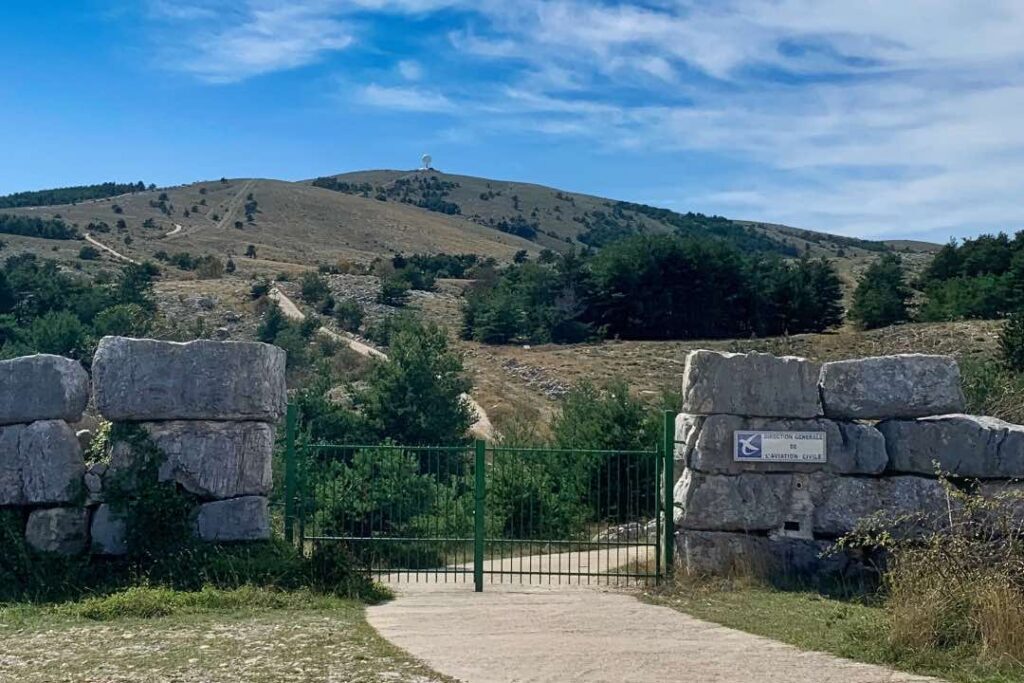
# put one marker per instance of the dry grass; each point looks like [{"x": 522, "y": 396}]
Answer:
[
  {"x": 653, "y": 367},
  {"x": 856, "y": 627},
  {"x": 297, "y": 225}
]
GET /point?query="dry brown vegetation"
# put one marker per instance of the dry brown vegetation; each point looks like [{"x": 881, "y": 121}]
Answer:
[{"x": 295, "y": 225}]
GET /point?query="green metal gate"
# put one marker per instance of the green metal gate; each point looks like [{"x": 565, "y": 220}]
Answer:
[{"x": 496, "y": 514}]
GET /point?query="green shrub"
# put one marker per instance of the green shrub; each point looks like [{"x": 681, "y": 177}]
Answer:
[
  {"x": 349, "y": 314},
  {"x": 1011, "y": 342},
  {"x": 394, "y": 291},
  {"x": 88, "y": 253},
  {"x": 259, "y": 289},
  {"x": 126, "y": 320},
  {"x": 209, "y": 268},
  {"x": 60, "y": 333},
  {"x": 314, "y": 288}
]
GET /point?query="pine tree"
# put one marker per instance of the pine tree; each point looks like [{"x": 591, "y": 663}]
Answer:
[{"x": 882, "y": 294}]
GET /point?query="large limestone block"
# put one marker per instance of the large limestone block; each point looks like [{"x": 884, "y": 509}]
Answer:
[
  {"x": 144, "y": 379},
  {"x": 216, "y": 459},
  {"x": 42, "y": 387},
  {"x": 238, "y": 519},
  {"x": 909, "y": 385},
  {"x": 963, "y": 445},
  {"x": 798, "y": 505},
  {"x": 754, "y": 384},
  {"x": 40, "y": 464},
  {"x": 210, "y": 459},
  {"x": 746, "y": 502},
  {"x": 707, "y": 445},
  {"x": 730, "y": 553},
  {"x": 109, "y": 532},
  {"x": 64, "y": 531},
  {"x": 839, "y": 503}
]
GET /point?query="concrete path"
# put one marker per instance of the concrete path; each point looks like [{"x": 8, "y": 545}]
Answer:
[{"x": 579, "y": 633}]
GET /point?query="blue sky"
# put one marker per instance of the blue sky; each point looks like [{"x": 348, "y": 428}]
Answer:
[{"x": 869, "y": 118}]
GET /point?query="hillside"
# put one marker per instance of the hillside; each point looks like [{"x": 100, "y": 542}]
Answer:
[
  {"x": 289, "y": 224},
  {"x": 360, "y": 216},
  {"x": 295, "y": 226},
  {"x": 558, "y": 219}
]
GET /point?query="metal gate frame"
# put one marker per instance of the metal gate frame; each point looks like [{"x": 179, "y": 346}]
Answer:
[{"x": 484, "y": 459}]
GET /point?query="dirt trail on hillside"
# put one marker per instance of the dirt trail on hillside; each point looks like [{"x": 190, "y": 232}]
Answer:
[
  {"x": 233, "y": 205},
  {"x": 481, "y": 427},
  {"x": 116, "y": 254}
]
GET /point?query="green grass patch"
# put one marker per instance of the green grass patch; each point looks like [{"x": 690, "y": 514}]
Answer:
[
  {"x": 857, "y": 628},
  {"x": 157, "y": 635}
]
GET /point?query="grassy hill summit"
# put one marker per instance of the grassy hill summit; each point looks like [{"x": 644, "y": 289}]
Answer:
[
  {"x": 362, "y": 215},
  {"x": 558, "y": 219}
]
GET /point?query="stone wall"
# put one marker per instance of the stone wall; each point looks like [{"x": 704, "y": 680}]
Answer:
[
  {"x": 886, "y": 422},
  {"x": 41, "y": 462},
  {"x": 209, "y": 408}
]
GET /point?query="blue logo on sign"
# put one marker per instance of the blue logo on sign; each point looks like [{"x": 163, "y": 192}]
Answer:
[{"x": 748, "y": 445}]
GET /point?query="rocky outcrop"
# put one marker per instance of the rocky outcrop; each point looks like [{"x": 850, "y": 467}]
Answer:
[
  {"x": 238, "y": 519},
  {"x": 144, "y": 380},
  {"x": 42, "y": 387},
  {"x": 909, "y": 385},
  {"x": 754, "y": 385},
  {"x": 707, "y": 444},
  {"x": 962, "y": 445},
  {"x": 62, "y": 531},
  {"x": 40, "y": 464}
]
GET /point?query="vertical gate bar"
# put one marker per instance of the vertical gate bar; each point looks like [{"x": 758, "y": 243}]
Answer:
[
  {"x": 289, "y": 473},
  {"x": 657, "y": 517},
  {"x": 669, "y": 426},
  {"x": 478, "y": 516}
]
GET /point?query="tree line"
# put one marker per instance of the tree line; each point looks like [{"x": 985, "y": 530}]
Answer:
[
  {"x": 654, "y": 287},
  {"x": 69, "y": 195},
  {"x": 980, "y": 278},
  {"x": 33, "y": 226}
]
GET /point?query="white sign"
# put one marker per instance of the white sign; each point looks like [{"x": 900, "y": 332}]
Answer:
[{"x": 749, "y": 446}]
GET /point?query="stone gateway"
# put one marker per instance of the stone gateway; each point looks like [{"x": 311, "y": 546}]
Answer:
[{"x": 884, "y": 425}]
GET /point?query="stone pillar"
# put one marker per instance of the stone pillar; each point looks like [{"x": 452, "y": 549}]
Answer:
[
  {"x": 210, "y": 409},
  {"x": 747, "y": 514},
  {"x": 41, "y": 461}
]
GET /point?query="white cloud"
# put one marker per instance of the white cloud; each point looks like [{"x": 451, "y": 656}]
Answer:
[
  {"x": 410, "y": 70},
  {"x": 870, "y": 117},
  {"x": 865, "y": 117},
  {"x": 221, "y": 44},
  {"x": 404, "y": 99}
]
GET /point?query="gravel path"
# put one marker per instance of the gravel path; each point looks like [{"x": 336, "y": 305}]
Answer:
[{"x": 96, "y": 243}]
